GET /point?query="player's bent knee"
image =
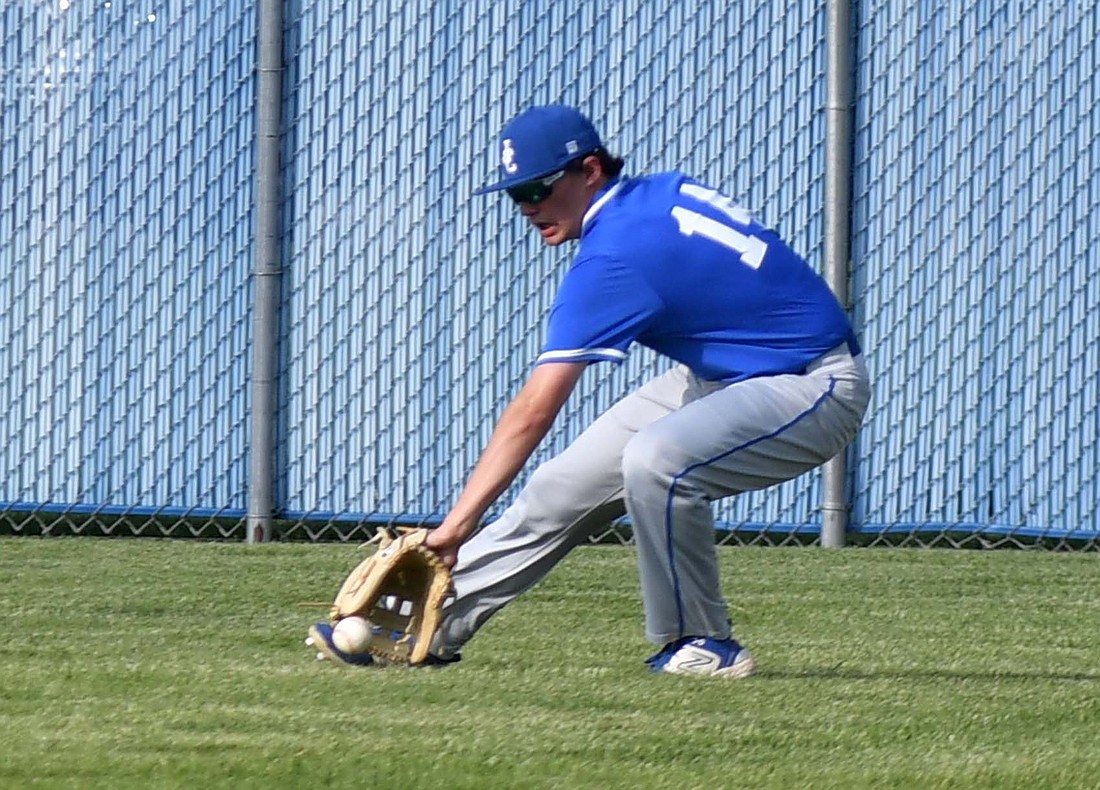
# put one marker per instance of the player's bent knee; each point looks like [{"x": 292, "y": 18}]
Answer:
[{"x": 648, "y": 460}]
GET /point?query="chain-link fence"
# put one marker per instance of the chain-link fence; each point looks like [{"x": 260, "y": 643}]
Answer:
[
  {"x": 977, "y": 289},
  {"x": 124, "y": 263},
  {"x": 411, "y": 311}
]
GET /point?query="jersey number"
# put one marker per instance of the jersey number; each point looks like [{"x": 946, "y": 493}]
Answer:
[{"x": 750, "y": 248}]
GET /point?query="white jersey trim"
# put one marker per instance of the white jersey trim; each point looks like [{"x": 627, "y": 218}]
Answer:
[
  {"x": 594, "y": 209},
  {"x": 576, "y": 354}
]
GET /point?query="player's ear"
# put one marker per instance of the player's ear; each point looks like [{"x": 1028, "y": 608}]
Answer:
[{"x": 592, "y": 169}]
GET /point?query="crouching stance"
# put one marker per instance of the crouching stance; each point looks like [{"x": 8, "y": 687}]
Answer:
[{"x": 768, "y": 382}]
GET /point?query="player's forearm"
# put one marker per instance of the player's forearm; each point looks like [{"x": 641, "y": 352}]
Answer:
[
  {"x": 516, "y": 436},
  {"x": 519, "y": 431}
]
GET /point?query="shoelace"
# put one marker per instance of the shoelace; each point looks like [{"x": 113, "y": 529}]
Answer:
[{"x": 668, "y": 650}]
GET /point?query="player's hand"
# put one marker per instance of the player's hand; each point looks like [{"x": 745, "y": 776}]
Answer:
[{"x": 444, "y": 544}]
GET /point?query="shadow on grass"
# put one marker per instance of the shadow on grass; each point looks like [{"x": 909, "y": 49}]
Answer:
[{"x": 846, "y": 673}]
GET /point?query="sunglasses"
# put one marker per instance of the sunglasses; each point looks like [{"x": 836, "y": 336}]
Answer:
[{"x": 535, "y": 191}]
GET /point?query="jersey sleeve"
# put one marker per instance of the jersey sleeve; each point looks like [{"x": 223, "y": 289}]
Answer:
[{"x": 601, "y": 308}]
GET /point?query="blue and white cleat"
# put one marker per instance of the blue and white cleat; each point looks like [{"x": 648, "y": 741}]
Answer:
[
  {"x": 320, "y": 637},
  {"x": 703, "y": 656}
]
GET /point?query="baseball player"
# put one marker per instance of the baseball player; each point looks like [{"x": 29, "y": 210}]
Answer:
[{"x": 768, "y": 383}]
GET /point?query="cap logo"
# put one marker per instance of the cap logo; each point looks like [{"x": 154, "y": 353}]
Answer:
[
  {"x": 508, "y": 157},
  {"x": 572, "y": 147}
]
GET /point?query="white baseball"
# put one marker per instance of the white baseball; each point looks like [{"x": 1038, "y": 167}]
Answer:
[{"x": 351, "y": 634}]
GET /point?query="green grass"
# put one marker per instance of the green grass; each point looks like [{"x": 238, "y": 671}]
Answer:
[{"x": 155, "y": 663}]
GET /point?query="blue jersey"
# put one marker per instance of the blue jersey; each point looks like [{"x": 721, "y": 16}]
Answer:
[{"x": 676, "y": 266}]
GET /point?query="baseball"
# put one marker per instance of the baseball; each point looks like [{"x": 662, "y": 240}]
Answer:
[{"x": 351, "y": 634}]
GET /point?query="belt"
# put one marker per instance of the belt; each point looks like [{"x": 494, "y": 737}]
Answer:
[{"x": 843, "y": 351}]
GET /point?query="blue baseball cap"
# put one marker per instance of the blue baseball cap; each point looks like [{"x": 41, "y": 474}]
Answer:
[{"x": 541, "y": 141}]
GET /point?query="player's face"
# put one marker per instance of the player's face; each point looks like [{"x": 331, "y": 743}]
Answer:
[{"x": 559, "y": 216}]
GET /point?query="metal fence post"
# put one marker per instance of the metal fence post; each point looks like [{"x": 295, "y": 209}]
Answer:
[
  {"x": 837, "y": 209},
  {"x": 266, "y": 274}
]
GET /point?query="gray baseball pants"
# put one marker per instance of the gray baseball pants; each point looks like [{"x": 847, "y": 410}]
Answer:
[{"x": 662, "y": 454}]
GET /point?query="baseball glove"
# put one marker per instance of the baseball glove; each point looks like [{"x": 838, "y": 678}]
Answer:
[{"x": 400, "y": 590}]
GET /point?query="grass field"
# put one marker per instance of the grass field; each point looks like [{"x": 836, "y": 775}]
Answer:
[{"x": 154, "y": 663}]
